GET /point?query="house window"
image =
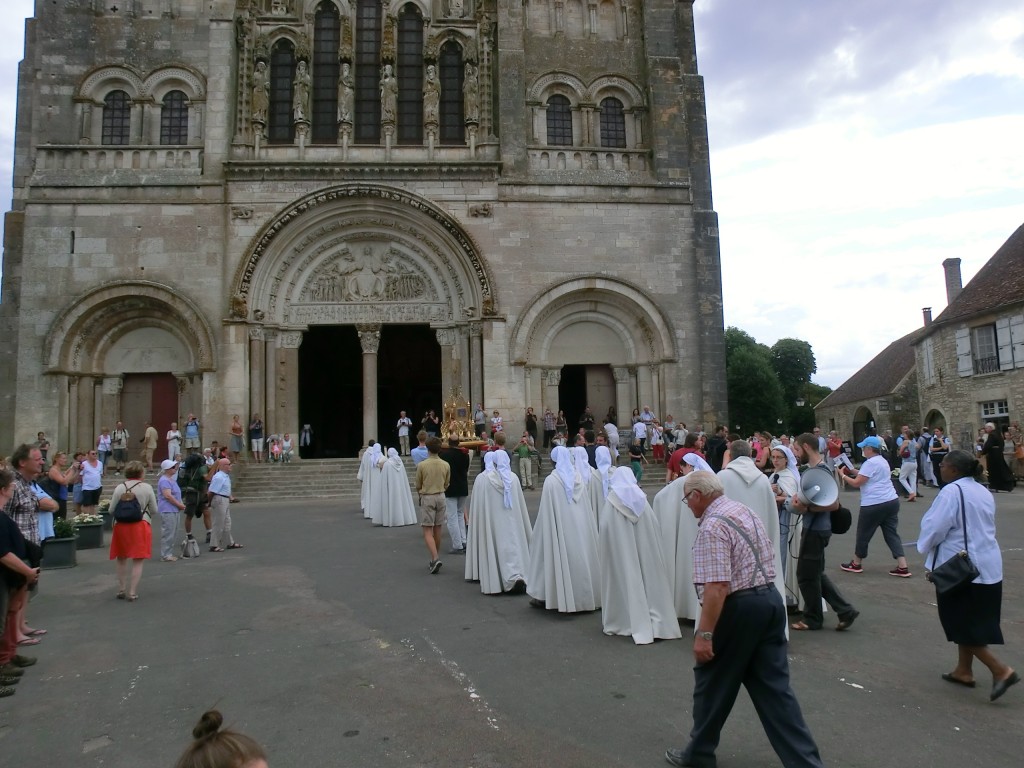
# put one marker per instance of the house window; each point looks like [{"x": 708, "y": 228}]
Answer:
[
  {"x": 452, "y": 122},
  {"x": 559, "y": 122},
  {"x": 993, "y": 409},
  {"x": 410, "y": 75},
  {"x": 326, "y": 38},
  {"x": 613, "y": 124},
  {"x": 281, "y": 129},
  {"x": 117, "y": 118},
  {"x": 174, "y": 119},
  {"x": 367, "y": 100},
  {"x": 985, "y": 349}
]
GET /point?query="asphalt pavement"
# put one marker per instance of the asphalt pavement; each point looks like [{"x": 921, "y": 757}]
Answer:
[{"x": 327, "y": 640}]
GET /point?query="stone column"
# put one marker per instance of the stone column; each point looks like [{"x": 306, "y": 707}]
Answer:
[
  {"x": 270, "y": 380},
  {"x": 369, "y": 340},
  {"x": 465, "y": 357},
  {"x": 256, "y": 375},
  {"x": 552, "y": 378},
  {"x": 450, "y": 372},
  {"x": 623, "y": 403},
  {"x": 73, "y": 411},
  {"x": 287, "y": 390},
  {"x": 110, "y": 401},
  {"x": 86, "y": 418},
  {"x": 657, "y": 401},
  {"x": 151, "y": 112},
  {"x": 645, "y": 394},
  {"x": 476, "y": 372}
]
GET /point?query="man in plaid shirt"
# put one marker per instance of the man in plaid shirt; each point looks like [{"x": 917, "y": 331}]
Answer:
[{"x": 741, "y": 631}]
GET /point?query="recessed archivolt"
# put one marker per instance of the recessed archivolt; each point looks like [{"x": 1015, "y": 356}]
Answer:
[
  {"x": 571, "y": 86},
  {"x": 105, "y": 79},
  {"x": 619, "y": 87},
  {"x": 557, "y": 82},
  {"x": 645, "y": 324},
  {"x": 549, "y": 331},
  {"x": 82, "y": 333},
  {"x": 368, "y": 212}
]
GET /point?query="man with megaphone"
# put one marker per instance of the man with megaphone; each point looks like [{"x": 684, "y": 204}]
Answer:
[{"x": 817, "y": 498}]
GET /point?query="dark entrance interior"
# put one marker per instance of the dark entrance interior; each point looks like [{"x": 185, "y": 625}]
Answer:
[
  {"x": 331, "y": 385},
  {"x": 572, "y": 394},
  {"x": 151, "y": 397}
]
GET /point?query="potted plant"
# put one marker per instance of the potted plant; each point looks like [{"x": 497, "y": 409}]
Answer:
[
  {"x": 59, "y": 552},
  {"x": 106, "y": 514},
  {"x": 89, "y": 529}
]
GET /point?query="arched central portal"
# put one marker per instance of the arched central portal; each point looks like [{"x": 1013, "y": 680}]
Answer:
[
  {"x": 331, "y": 387},
  {"x": 384, "y": 292}
]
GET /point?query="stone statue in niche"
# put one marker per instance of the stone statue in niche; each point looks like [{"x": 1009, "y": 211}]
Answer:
[
  {"x": 346, "y": 94},
  {"x": 279, "y": 7},
  {"x": 471, "y": 95},
  {"x": 300, "y": 93},
  {"x": 260, "y": 92},
  {"x": 431, "y": 96},
  {"x": 388, "y": 95},
  {"x": 456, "y": 9}
]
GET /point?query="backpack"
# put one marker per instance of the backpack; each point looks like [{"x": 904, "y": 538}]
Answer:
[
  {"x": 841, "y": 520},
  {"x": 128, "y": 509}
]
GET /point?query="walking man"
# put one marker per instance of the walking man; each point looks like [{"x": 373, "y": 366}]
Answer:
[
  {"x": 119, "y": 446},
  {"x": 433, "y": 477},
  {"x": 149, "y": 441},
  {"x": 938, "y": 447},
  {"x": 740, "y": 637},
  {"x": 457, "y": 493}
]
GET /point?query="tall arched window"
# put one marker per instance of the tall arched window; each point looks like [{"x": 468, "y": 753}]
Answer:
[
  {"x": 559, "y": 122},
  {"x": 174, "y": 119},
  {"x": 280, "y": 129},
  {"x": 410, "y": 75},
  {"x": 613, "y": 123},
  {"x": 117, "y": 118},
  {"x": 452, "y": 121},
  {"x": 326, "y": 37},
  {"x": 367, "y": 101}
]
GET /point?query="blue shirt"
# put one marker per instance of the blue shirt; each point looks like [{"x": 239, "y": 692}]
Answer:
[
  {"x": 163, "y": 506},
  {"x": 221, "y": 484},
  {"x": 192, "y": 429},
  {"x": 419, "y": 453}
]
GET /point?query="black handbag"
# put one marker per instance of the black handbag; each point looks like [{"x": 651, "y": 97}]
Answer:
[{"x": 959, "y": 569}]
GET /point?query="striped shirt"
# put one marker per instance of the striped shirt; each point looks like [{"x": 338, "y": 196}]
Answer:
[
  {"x": 22, "y": 508},
  {"x": 720, "y": 553}
]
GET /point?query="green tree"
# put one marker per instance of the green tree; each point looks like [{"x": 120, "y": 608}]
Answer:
[
  {"x": 755, "y": 395},
  {"x": 793, "y": 362}
]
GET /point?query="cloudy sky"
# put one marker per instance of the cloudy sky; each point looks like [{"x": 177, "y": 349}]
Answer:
[{"x": 854, "y": 147}]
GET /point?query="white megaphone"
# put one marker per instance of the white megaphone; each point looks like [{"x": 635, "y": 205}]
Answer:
[{"x": 817, "y": 488}]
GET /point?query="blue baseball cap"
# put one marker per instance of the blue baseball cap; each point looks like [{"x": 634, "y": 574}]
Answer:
[{"x": 872, "y": 441}]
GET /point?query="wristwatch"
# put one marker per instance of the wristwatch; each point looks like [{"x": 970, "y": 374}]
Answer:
[{"x": 705, "y": 635}]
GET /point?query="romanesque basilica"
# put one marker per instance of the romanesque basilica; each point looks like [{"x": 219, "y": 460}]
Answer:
[{"x": 328, "y": 211}]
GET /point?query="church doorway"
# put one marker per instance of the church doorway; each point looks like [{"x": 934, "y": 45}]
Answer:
[
  {"x": 572, "y": 395},
  {"x": 331, "y": 385},
  {"x": 151, "y": 397}
]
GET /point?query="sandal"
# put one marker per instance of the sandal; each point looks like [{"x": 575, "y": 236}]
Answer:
[
  {"x": 120, "y": 595},
  {"x": 216, "y": 549},
  {"x": 35, "y": 632},
  {"x": 235, "y": 546},
  {"x": 132, "y": 598},
  {"x": 802, "y": 627},
  {"x": 29, "y": 641}
]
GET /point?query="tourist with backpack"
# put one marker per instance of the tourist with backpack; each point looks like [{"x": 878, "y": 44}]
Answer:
[{"x": 132, "y": 506}]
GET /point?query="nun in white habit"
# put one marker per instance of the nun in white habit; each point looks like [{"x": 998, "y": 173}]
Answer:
[
  {"x": 636, "y": 598},
  {"x": 678, "y": 532},
  {"x": 791, "y": 524},
  {"x": 396, "y": 507},
  {"x": 363, "y": 475},
  {"x": 374, "y": 482},
  {"x": 498, "y": 548},
  {"x": 564, "y": 571},
  {"x": 591, "y": 486}
]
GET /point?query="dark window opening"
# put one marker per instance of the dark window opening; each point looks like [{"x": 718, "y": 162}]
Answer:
[
  {"x": 367, "y": 76},
  {"x": 326, "y": 39},
  {"x": 117, "y": 118},
  {"x": 452, "y": 122},
  {"x": 559, "y": 122},
  {"x": 410, "y": 75},
  {"x": 613, "y": 124},
  {"x": 280, "y": 129},
  {"x": 174, "y": 119}
]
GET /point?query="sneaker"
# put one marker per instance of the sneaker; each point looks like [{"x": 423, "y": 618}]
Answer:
[
  {"x": 853, "y": 567},
  {"x": 903, "y": 573},
  {"x": 435, "y": 566},
  {"x": 169, "y": 559},
  {"x": 208, "y": 535},
  {"x": 5, "y": 680},
  {"x": 6, "y": 691},
  {"x": 23, "y": 661},
  {"x": 9, "y": 670}
]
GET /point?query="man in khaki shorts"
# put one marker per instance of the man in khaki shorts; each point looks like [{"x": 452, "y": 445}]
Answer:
[{"x": 432, "y": 478}]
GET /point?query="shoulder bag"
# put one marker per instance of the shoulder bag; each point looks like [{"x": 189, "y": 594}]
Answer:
[{"x": 959, "y": 569}]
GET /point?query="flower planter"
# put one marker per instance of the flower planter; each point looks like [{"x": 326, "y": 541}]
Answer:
[
  {"x": 108, "y": 520},
  {"x": 59, "y": 553},
  {"x": 90, "y": 535}
]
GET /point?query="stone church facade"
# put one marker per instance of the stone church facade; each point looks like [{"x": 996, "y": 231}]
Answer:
[{"x": 327, "y": 211}]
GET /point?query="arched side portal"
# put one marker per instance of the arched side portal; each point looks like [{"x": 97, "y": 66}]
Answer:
[
  {"x": 605, "y": 324},
  {"x": 363, "y": 255},
  {"x": 134, "y": 331}
]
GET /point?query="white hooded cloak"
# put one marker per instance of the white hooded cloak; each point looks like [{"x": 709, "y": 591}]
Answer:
[{"x": 498, "y": 548}]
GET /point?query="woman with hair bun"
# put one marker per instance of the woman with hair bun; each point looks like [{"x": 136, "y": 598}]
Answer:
[
  {"x": 969, "y": 613},
  {"x": 216, "y": 748}
]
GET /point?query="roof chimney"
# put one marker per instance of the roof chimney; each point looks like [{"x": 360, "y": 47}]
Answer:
[
  {"x": 927, "y": 312},
  {"x": 954, "y": 284}
]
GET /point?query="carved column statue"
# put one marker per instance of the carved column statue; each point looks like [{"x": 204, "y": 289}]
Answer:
[
  {"x": 471, "y": 105},
  {"x": 346, "y": 106},
  {"x": 369, "y": 340},
  {"x": 300, "y": 103},
  {"x": 431, "y": 105},
  {"x": 388, "y": 104},
  {"x": 260, "y": 102}
]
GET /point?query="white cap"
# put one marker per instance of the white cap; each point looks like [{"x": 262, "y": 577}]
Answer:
[{"x": 167, "y": 464}]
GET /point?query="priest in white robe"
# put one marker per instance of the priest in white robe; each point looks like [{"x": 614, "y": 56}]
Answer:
[
  {"x": 498, "y": 546},
  {"x": 374, "y": 481},
  {"x": 396, "y": 507},
  {"x": 678, "y": 532},
  {"x": 746, "y": 483},
  {"x": 636, "y": 598},
  {"x": 591, "y": 488},
  {"x": 363, "y": 474},
  {"x": 565, "y": 573}
]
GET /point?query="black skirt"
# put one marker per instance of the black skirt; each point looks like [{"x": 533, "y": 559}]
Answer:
[{"x": 969, "y": 614}]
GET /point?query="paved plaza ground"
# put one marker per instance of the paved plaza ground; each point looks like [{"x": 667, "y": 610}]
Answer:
[{"x": 327, "y": 640}]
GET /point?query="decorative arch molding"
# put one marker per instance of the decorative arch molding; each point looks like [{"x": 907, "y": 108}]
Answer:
[
  {"x": 104, "y": 79},
  {"x": 394, "y": 7},
  {"x": 437, "y": 40},
  {"x": 363, "y": 253},
  {"x": 615, "y": 303},
  {"x": 614, "y": 85},
  {"x": 557, "y": 82},
  {"x": 81, "y": 335},
  {"x": 158, "y": 82}
]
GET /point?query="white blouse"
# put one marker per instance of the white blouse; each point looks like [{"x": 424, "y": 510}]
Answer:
[{"x": 942, "y": 526}]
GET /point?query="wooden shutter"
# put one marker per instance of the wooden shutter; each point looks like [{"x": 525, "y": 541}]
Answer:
[
  {"x": 964, "y": 363},
  {"x": 1017, "y": 339},
  {"x": 1003, "y": 344}
]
